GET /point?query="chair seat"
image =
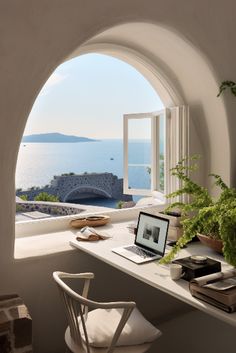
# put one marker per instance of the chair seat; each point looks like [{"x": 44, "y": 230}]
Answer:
[
  {"x": 136, "y": 336},
  {"x": 140, "y": 348}
]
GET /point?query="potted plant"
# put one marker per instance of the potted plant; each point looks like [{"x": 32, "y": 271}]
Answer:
[{"x": 203, "y": 214}]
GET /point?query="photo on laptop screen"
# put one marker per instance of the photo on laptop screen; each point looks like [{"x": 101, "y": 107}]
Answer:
[{"x": 151, "y": 232}]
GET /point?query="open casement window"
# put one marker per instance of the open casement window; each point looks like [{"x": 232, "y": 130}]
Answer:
[{"x": 153, "y": 144}]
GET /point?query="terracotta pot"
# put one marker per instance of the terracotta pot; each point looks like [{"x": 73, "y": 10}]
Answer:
[{"x": 212, "y": 243}]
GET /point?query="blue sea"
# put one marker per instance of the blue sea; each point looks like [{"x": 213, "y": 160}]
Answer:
[{"x": 39, "y": 162}]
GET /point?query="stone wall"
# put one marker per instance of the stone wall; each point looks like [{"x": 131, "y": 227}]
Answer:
[
  {"x": 51, "y": 208},
  {"x": 74, "y": 187}
]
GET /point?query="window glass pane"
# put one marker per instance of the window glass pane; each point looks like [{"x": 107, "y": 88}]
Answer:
[
  {"x": 139, "y": 153},
  {"x": 139, "y": 177},
  {"x": 139, "y": 137}
]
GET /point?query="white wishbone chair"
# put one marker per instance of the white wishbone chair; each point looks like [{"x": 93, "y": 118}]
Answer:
[{"x": 78, "y": 307}]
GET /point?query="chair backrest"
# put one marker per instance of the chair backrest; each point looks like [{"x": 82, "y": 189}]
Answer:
[{"x": 77, "y": 307}]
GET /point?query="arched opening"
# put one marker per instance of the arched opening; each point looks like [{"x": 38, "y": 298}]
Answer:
[
  {"x": 97, "y": 157},
  {"x": 166, "y": 61}
]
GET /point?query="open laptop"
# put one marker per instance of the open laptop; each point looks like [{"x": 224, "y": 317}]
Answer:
[{"x": 150, "y": 240}]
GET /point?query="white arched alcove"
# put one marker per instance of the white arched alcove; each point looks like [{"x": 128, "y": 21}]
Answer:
[
  {"x": 38, "y": 36},
  {"x": 180, "y": 74}
]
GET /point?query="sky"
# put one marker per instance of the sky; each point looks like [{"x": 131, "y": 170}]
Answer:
[{"x": 88, "y": 95}]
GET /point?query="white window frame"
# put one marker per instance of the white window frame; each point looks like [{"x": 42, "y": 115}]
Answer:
[
  {"x": 176, "y": 148},
  {"x": 154, "y": 117}
]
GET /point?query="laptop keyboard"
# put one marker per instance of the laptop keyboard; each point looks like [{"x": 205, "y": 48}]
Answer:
[{"x": 141, "y": 252}]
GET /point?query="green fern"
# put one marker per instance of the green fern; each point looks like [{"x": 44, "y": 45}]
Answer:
[
  {"x": 216, "y": 218},
  {"x": 227, "y": 85}
]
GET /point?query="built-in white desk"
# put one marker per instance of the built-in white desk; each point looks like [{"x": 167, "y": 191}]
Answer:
[{"x": 153, "y": 274}]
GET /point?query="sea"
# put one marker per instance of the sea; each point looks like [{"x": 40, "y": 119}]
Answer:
[{"x": 38, "y": 163}]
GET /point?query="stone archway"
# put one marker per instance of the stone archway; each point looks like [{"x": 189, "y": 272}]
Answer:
[{"x": 85, "y": 192}]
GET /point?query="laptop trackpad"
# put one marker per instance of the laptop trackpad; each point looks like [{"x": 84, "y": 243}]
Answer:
[{"x": 128, "y": 254}]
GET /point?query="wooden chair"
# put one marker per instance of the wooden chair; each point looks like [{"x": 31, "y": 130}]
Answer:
[{"x": 79, "y": 307}]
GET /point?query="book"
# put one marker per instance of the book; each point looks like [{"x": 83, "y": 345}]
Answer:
[
  {"x": 174, "y": 233},
  {"x": 193, "y": 270},
  {"x": 174, "y": 218},
  {"x": 175, "y": 228},
  {"x": 218, "y": 289},
  {"x": 228, "y": 308}
]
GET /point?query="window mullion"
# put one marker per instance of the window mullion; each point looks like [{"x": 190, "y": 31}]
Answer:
[
  {"x": 169, "y": 140},
  {"x": 125, "y": 153},
  {"x": 155, "y": 168},
  {"x": 178, "y": 143}
]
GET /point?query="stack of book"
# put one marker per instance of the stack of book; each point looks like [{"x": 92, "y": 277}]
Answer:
[
  {"x": 175, "y": 229},
  {"x": 218, "y": 289}
]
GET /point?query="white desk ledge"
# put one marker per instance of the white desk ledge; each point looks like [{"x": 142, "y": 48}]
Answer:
[{"x": 152, "y": 273}]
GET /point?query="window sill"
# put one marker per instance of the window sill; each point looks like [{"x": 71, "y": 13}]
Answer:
[{"x": 50, "y": 236}]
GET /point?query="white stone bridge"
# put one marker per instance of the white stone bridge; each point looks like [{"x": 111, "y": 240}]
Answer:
[{"x": 71, "y": 188}]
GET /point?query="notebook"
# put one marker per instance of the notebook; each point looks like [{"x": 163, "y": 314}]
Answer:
[{"x": 150, "y": 240}]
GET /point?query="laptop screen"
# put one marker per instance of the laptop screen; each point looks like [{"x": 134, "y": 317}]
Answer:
[{"x": 152, "y": 232}]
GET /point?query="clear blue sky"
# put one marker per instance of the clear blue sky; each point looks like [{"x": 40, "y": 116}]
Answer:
[{"x": 87, "y": 96}]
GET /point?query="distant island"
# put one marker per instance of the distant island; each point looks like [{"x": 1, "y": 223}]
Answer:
[{"x": 54, "y": 137}]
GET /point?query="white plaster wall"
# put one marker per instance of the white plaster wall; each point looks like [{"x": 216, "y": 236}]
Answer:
[{"x": 35, "y": 37}]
